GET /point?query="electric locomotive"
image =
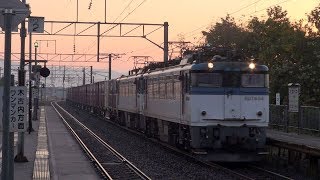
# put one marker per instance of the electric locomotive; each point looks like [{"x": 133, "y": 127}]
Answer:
[{"x": 214, "y": 105}]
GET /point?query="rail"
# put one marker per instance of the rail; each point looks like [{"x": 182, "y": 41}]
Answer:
[{"x": 116, "y": 153}]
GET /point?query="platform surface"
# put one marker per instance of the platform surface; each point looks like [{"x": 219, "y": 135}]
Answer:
[
  {"x": 52, "y": 152},
  {"x": 67, "y": 160},
  {"x": 294, "y": 138}
]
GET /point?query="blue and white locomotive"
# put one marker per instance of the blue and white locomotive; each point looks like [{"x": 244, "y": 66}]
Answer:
[{"x": 216, "y": 108}]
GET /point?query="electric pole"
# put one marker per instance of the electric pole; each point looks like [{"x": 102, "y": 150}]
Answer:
[
  {"x": 63, "y": 80},
  {"x": 84, "y": 76},
  {"x": 110, "y": 56},
  {"x": 91, "y": 80}
]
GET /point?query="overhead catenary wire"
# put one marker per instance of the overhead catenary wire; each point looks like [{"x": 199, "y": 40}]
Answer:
[
  {"x": 269, "y": 7},
  {"x": 245, "y": 7},
  {"x": 90, "y": 47},
  {"x": 195, "y": 30},
  {"x": 123, "y": 10},
  {"x": 133, "y": 10}
]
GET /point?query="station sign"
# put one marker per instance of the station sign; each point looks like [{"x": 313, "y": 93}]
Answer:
[
  {"x": 277, "y": 99},
  {"x": 294, "y": 93},
  {"x": 36, "y": 24},
  {"x": 18, "y": 109},
  {"x": 35, "y": 93}
]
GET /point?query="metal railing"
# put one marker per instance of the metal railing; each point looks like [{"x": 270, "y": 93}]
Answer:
[{"x": 307, "y": 121}]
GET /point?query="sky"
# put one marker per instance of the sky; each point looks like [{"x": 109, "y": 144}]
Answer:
[{"x": 185, "y": 17}]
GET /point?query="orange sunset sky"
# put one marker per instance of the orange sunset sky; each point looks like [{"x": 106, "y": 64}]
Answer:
[{"x": 186, "y": 17}]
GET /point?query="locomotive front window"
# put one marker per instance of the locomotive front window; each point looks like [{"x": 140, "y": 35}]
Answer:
[
  {"x": 206, "y": 80},
  {"x": 231, "y": 79},
  {"x": 253, "y": 80}
]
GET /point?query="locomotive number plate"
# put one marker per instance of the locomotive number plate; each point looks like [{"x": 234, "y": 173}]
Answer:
[{"x": 253, "y": 98}]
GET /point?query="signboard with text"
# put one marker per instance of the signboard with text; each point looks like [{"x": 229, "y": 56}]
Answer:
[
  {"x": 35, "y": 93},
  {"x": 277, "y": 98},
  {"x": 18, "y": 109},
  {"x": 294, "y": 92},
  {"x": 36, "y": 24}
]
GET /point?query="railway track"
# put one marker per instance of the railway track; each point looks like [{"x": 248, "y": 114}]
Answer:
[
  {"x": 111, "y": 163},
  {"x": 247, "y": 171},
  {"x": 252, "y": 172}
]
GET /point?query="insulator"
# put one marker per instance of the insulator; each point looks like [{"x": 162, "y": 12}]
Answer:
[{"x": 90, "y": 4}]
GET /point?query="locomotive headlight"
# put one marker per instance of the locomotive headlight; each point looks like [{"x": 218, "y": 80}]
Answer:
[
  {"x": 252, "y": 66},
  {"x": 259, "y": 113},
  {"x": 210, "y": 65}
]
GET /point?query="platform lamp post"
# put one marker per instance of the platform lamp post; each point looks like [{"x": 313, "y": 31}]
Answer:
[{"x": 36, "y": 85}]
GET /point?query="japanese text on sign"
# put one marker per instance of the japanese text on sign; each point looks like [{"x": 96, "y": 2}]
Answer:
[
  {"x": 294, "y": 99},
  {"x": 18, "y": 109}
]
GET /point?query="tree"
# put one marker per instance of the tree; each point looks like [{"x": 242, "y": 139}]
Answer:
[
  {"x": 226, "y": 34},
  {"x": 291, "y": 50}
]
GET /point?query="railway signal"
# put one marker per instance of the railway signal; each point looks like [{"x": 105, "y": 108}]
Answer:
[{"x": 44, "y": 72}]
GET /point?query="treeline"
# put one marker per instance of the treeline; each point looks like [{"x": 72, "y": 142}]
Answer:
[{"x": 290, "y": 49}]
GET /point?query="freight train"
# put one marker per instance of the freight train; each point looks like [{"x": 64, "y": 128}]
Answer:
[{"x": 214, "y": 106}]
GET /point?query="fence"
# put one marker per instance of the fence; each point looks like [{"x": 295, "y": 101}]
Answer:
[{"x": 307, "y": 121}]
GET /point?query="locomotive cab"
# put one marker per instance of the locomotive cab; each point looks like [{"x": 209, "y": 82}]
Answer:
[{"x": 229, "y": 106}]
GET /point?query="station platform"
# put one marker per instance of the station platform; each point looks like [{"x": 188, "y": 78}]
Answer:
[
  {"x": 299, "y": 142},
  {"x": 52, "y": 152}
]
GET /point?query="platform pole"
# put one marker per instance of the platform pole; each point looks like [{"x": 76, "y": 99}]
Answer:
[
  {"x": 22, "y": 78},
  {"x": 30, "y": 128},
  {"x": 7, "y": 163}
]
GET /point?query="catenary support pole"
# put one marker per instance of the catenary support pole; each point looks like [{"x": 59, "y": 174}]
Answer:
[
  {"x": 84, "y": 76},
  {"x": 7, "y": 172},
  {"x": 63, "y": 80},
  {"x": 91, "y": 80},
  {"x": 30, "y": 129},
  {"x": 36, "y": 85},
  {"x": 105, "y": 11},
  {"x": 110, "y": 56},
  {"x": 98, "y": 43},
  {"x": 165, "y": 43},
  {"x": 21, "y": 76}
]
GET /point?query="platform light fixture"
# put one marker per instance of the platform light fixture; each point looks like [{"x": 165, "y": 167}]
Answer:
[{"x": 36, "y": 45}]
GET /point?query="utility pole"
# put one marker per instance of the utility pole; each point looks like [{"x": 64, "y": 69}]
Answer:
[
  {"x": 7, "y": 162},
  {"x": 63, "y": 80},
  {"x": 21, "y": 77},
  {"x": 110, "y": 56},
  {"x": 105, "y": 11},
  {"x": 165, "y": 43},
  {"x": 91, "y": 80},
  {"x": 84, "y": 76}
]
